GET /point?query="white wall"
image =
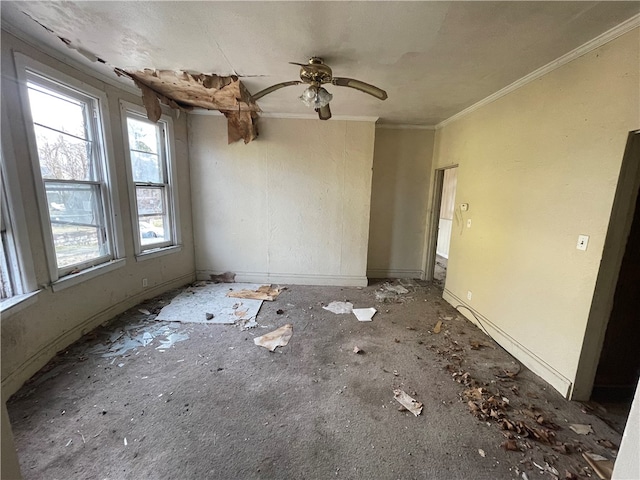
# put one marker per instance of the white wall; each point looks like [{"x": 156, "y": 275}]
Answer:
[
  {"x": 291, "y": 207},
  {"x": 31, "y": 336},
  {"x": 399, "y": 197},
  {"x": 538, "y": 167}
]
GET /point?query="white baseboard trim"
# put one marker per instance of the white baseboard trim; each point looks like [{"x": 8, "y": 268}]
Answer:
[
  {"x": 519, "y": 351},
  {"x": 401, "y": 273},
  {"x": 291, "y": 278},
  {"x": 30, "y": 367}
]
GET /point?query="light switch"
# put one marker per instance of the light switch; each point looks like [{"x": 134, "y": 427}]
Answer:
[
  {"x": 469, "y": 223},
  {"x": 583, "y": 241}
]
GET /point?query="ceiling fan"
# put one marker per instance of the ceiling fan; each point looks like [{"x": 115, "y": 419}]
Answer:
[{"x": 316, "y": 73}]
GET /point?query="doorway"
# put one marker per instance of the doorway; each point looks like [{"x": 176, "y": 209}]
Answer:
[
  {"x": 609, "y": 365},
  {"x": 447, "y": 180}
]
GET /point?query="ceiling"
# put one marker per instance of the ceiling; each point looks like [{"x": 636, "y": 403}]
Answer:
[{"x": 434, "y": 59}]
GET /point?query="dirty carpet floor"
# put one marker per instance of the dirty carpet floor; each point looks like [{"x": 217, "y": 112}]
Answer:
[{"x": 198, "y": 401}]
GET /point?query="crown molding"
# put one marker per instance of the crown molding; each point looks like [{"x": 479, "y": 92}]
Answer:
[
  {"x": 583, "y": 49},
  {"x": 403, "y": 126}
]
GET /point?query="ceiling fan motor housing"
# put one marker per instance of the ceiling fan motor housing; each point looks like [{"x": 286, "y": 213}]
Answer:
[{"x": 316, "y": 72}]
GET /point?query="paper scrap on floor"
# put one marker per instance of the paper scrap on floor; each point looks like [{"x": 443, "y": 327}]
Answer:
[
  {"x": 193, "y": 305},
  {"x": 364, "y": 314},
  {"x": 275, "y": 339},
  {"x": 407, "y": 402},
  {"x": 339, "y": 307},
  {"x": 265, "y": 292}
]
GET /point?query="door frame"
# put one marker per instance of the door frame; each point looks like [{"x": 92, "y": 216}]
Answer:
[
  {"x": 622, "y": 212},
  {"x": 431, "y": 240}
]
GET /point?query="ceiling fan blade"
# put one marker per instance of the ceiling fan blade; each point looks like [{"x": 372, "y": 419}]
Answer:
[
  {"x": 273, "y": 88},
  {"x": 324, "y": 113},
  {"x": 362, "y": 86}
]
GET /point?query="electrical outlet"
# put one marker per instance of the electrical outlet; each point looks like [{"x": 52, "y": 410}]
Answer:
[
  {"x": 469, "y": 295},
  {"x": 464, "y": 207},
  {"x": 469, "y": 223},
  {"x": 583, "y": 241},
  {"x": 145, "y": 283}
]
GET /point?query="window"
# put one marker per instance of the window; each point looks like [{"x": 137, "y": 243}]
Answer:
[
  {"x": 69, "y": 149},
  {"x": 8, "y": 267},
  {"x": 151, "y": 171},
  {"x": 17, "y": 278}
]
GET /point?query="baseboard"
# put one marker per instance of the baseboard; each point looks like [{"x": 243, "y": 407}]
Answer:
[
  {"x": 390, "y": 273},
  {"x": 33, "y": 364},
  {"x": 519, "y": 351},
  {"x": 291, "y": 278}
]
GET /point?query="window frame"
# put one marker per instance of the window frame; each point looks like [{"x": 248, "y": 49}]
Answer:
[
  {"x": 18, "y": 250},
  {"x": 168, "y": 158},
  {"x": 50, "y": 78}
]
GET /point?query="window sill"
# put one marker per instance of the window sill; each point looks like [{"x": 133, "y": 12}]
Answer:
[
  {"x": 83, "y": 276},
  {"x": 158, "y": 252},
  {"x": 18, "y": 302}
]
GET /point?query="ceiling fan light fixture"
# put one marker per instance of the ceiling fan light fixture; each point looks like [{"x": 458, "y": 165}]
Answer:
[{"x": 315, "y": 97}]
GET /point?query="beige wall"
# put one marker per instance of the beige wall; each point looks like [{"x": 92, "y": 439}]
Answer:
[
  {"x": 291, "y": 207},
  {"x": 538, "y": 167},
  {"x": 399, "y": 197},
  {"x": 34, "y": 334}
]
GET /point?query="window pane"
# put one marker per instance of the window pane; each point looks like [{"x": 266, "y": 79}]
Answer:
[
  {"x": 143, "y": 136},
  {"x": 146, "y": 167},
  {"x": 55, "y": 111},
  {"x": 63, "y": 157},
  {"x": 76, "y": 222},
  {"x": 150, "y": 200},
  {"x": 152, "y": 230}
]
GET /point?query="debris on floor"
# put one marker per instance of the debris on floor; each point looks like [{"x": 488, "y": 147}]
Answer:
[
  {"x": 193, "y": 304},
  {"x": 275, "y": 339},
  {"x": 339, "y": 307},
  {"x": 481, "y": 452},
  {"x": 438, "y": 327},
  {"x": 138, "y": 335},
  {"x": 601, "y": 465},
  {"x": 364, "y": 314},
  {"x": 357, "y": 350},
  {"x": 389, "y": 293},
  {"x": 407, "y": 402},
  {"x": 226, "y": 277},
  {"x": 265, "y": 292},
  {"x": 581, "y": 429}
]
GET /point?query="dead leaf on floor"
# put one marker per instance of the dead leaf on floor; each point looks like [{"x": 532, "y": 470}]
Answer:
[
  {"x": 275, "y": 339},
  {"x": 477, "y": 345},
  {"x": 608, "y": 444},
  {"x": 438, "y": 327},
  {"x": 601, "y": 465},
  {"x": 581, "y": 429},
  {"x": 407, "y": 402},
  {"x": 515, "y": 390},
  {"x": 510, "y": 445}
]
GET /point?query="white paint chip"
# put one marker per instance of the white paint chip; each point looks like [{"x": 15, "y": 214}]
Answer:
[{"x": 364, "y": 314}]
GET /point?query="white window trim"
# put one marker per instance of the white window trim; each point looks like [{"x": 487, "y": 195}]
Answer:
[
  {"x": 25, "y": 277},
  {"x": 24, "y": 63},
  {"x": 172, "y": 174}
]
